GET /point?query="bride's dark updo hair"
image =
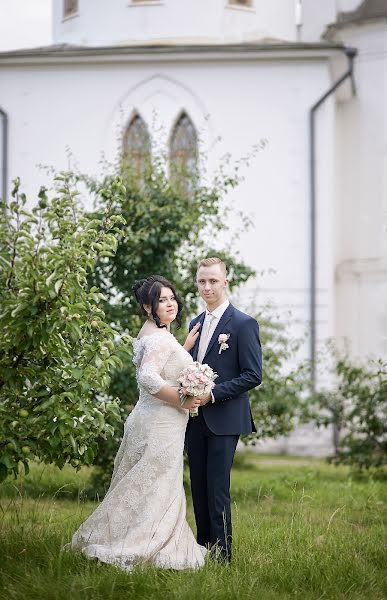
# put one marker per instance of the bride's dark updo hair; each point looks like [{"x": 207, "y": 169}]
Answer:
[{"x": 147, "y": 291}]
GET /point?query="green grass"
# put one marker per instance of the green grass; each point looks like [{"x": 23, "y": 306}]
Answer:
[{"x": 302, "y": 529}]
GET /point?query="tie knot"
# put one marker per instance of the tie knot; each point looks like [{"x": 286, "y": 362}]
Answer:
[{"x": 209, "y": 320}]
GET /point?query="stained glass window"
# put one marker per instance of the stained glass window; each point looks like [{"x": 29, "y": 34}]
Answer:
[
  {"x": 183, "y": 153},
  {"x": 137, "y": 146},
  {"x": 70, "y": 7}
]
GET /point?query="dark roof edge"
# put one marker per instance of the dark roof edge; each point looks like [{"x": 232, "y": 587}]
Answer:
[
  {"x": 368, "y": 11},
  {"x": 68, "y": 50},
  {"x": 355, "y": 23}
]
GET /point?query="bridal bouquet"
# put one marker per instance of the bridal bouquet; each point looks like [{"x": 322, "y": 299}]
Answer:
[{"x": 195, "y": 380}]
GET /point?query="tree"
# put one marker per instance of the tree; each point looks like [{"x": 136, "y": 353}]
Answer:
[
  {"x": 56, "y": 347},
  {"x": 167, "y": 229}
]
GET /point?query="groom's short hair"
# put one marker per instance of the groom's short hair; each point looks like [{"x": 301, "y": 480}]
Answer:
[{"x": 213, "y": 260}]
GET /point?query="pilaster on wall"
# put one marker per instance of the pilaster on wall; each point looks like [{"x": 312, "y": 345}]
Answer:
[{"x": 361, "y": 314}]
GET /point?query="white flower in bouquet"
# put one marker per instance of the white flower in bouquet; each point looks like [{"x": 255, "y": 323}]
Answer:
[{"x": 196, "y": 380}]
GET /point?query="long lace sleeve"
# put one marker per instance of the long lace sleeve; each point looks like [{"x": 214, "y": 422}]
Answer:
[{"x": 156, "y": 349}]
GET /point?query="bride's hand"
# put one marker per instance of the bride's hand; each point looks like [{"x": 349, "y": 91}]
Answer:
[{"x": 192, "y": 337}]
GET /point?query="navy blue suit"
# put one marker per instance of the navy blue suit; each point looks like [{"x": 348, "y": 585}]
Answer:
[{"x": 212, "y": 437}]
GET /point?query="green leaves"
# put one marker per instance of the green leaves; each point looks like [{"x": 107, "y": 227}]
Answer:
[
  {"x": 277, "y": 404},
  {"x": 164, "y": 230},
  {"x": 56, "y": 349}
]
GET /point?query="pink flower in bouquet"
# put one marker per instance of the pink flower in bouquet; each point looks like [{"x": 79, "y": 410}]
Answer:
[{"x": 196, "y": 380}]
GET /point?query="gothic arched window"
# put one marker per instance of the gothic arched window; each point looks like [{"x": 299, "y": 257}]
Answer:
[
  {"x": 137, "y": 146},
  {"x": 183, "y": 153}
]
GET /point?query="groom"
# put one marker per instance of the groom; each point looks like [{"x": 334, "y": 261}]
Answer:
[{"x": 229, "y": 343}]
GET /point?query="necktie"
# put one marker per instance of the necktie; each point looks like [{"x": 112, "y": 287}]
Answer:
[{"x": 205, "y": 337}]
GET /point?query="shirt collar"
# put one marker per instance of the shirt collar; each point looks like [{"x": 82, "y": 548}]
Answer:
[{"x": 218, "y": 312}]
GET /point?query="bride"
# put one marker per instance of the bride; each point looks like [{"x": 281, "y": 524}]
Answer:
[{"x": 142, "y": 519}]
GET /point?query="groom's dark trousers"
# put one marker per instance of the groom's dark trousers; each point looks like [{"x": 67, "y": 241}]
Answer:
[
  {"x": 212, "y": 436},
  {"x": 210, "y": 459}
]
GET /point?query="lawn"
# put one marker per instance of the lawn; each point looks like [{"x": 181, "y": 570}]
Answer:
[{"x": 302, "y": 529}]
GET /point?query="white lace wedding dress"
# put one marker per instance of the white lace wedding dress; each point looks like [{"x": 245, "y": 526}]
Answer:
[{"x": 142, "y": 519}]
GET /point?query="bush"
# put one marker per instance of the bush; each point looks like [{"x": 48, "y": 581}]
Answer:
[
  {"x": 277, "y": 404},
  {"x": 357, "y": 409}
]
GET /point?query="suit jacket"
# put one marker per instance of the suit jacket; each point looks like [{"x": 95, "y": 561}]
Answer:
[{"x": 239, "y": 370}]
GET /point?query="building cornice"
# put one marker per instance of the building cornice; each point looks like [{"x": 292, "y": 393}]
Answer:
[
  {"x": 167, "y": 52},
  {"x": 362, "y": 267},
  {"x": 369, "y": 12}
]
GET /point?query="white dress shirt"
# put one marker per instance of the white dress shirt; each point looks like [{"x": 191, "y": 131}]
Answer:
[{"x": 214, "y": 318}]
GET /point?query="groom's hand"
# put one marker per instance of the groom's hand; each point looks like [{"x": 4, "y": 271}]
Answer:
[
  {"x": 204, "y": 399},
  {"x": 191, "y": 403}
]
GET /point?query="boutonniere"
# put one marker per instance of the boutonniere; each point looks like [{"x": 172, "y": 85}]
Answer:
[{"x": 222, "y": 339}]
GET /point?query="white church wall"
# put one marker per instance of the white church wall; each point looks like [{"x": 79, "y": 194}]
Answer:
[
  {"x": 347, "y": 5},
  {"x": 361, "y": 307},
  {"x": 267, "y": 20},
  {"x": 81, "y": 106},
  {"x": 276, "y": 193},
  {"x": 363, "y": 166},
  {"x": 361, "y": 249},
  {"x": 25, "y": 24},
  {"x": 124, "y": 21},
  {"x": 315, "y": 17}
]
